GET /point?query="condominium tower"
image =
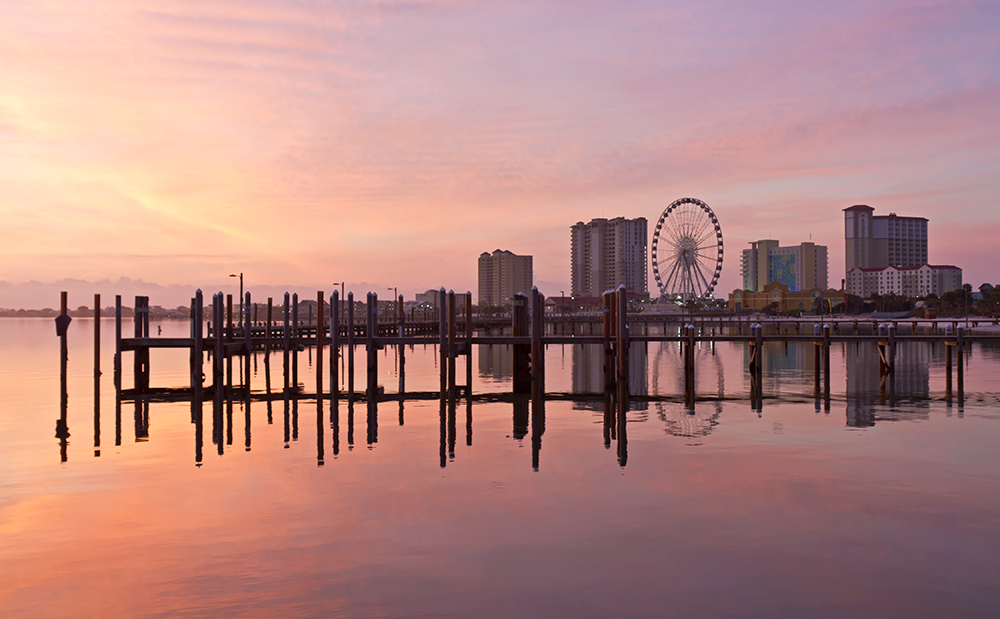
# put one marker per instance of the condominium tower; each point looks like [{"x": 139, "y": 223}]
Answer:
[
  {"x": 607, "y": 253},
  {"x": 503, "y": 274},
  {"x": 800, "y": 267},
  {"x": 880, "y": 241}
]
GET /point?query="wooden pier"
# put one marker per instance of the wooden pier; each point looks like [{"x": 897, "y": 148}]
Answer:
[{"x": 218, "y": 339}]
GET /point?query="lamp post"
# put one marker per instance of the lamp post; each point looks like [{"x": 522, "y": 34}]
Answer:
[
  {"x": 341, "y": 301},
  {"x": 241, "y": 295},
  {"x": 395, "y": 299},
  {"x": 562, "y": 301}
]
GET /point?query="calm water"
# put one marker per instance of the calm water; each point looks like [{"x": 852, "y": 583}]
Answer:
[{"x": 863, "y": 507}]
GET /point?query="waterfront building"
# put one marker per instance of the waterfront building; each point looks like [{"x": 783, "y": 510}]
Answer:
[
  {"x": 880, "y": 241},
  {"x": 800, "y": 267},
  {"x": 503, "y": 274},
  {"x": 607, "y": 253},
  {"x": 786, "y": 299},
  {"x": 909, "y": 282}
]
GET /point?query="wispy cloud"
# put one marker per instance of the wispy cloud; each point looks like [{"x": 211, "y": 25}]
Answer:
[{"x": 397, "y": 140}]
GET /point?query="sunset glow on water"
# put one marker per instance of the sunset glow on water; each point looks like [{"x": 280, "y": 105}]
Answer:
[{"x": 790, "y": 512}]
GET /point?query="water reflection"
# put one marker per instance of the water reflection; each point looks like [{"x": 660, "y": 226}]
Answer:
[
  {"x": 872, "y": 397},
  {"x": 655, "y": 385}
]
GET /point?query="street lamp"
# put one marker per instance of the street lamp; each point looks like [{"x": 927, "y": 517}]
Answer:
[
  {"x": 342, "y": 300},
  {"x": 241, "y": 295},
  {"x": 562, "y": 301},
  {"x": 395, "y": 299}
]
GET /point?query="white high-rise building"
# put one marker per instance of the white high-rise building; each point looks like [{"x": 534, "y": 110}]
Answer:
[{"x": 607, "y": 253}]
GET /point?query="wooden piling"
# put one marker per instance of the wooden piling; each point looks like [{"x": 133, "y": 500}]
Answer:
[
  {"x": 451, "y": 341},
  {"x": 247, "y": 343},
  {"x": 606, "y": 334},
  {"x": 334, "y": 344},
  {"x": 468, "y": 359},
  {"x": 199, "y": 346},
  {"x": 826, "y": 360},
  {"x": 350, "y": 351},
  {"x": 287, "y": 341},
  {"x": 536, "y": 343},
  {"x": 960, "y": 359},
  {"x": 689, "y": 360},
  {"x": 267, "y": 329},
  {"x": 372, "y": 353},
  {"x": 295, "y": 340},
  {"x": 521, "y": 353},
  {"x": 118, "y": 342},
  {"x": 442, "y": 307},
  {"x": 219, "y": 345},
  {"x": 947, "y": 369},
  {"x": 623, "y": 343},
  {"x": 320, "y": 331}
]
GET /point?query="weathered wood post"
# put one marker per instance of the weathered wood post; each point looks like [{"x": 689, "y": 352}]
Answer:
[
  {"x": 623, "y": 347},
  {"x": 118, "y": 341},
  {"x": 370, "y": 345},
  {"x": 97, "y": 375},
  {"x": 442, "y": 307},
  {"x": 451, "y": 342},
  {"x": 960, "y": 359},
  {"x": 141, "y": 356},
  {"x": 62, "y": 424},
  {"x": 267, "y": 329},
  {"x": 247, "y": 341},
  {"x": 97, "y": 342},
  {"x": 468, "y": 360},
  {"x": 689, "y": 377},
  {"x": 217, "y": 318},
  {"x": 334, "y": 347},
  {"x": 758, "y": 373},
  {"x": 536, "y": 343},
  {"x": 621, "y": 327},
  {"x": 826, "y": 360},
  {"x": 198, "y": 372},
  {"x": 287, "y": 339},
  {"x": 400, "y": 317},
  {"x": 521, "y": 353},
  {"x": 401, "y": 356},
  {"x": 350, "y": 355},
  {"x": 295, "y": 340},
  {"x": 947, "y": 369},
  {"x": 320, "y": 333}
]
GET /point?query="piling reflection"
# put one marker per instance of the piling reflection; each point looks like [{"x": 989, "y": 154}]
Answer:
[
  {"x": 786, "y": 369},
  {"x": 872, "y": 395}
]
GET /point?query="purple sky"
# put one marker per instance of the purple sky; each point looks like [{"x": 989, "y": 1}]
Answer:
[{"x": 392, "y": 142}]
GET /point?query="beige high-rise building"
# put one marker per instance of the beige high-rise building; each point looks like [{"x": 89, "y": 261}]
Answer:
[
  {"x": 607, "y": 253},
  {"x": 503, "y": 274},
  {"x": 879, "y": 241},
  {"x": 800, "y": 267}
]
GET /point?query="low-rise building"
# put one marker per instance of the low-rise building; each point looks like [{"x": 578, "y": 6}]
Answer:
[
  {"x": 778, "y": 293},
  {"x": 910, "y": 282}
]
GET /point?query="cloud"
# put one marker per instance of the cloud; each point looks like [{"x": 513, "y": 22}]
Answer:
[{"x": 396, "y": 141}]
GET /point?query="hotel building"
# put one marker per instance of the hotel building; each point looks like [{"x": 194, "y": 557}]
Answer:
[{"x": 607, "y": 253}]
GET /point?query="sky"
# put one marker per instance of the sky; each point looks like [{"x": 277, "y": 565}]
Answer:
[{"x": 390, "y": 143}]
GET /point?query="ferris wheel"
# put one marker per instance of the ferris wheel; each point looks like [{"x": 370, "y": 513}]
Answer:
[{"x": 688, "y": 243}]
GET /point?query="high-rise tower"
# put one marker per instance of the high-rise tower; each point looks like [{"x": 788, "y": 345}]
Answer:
[{"x": 607, "y": 253}]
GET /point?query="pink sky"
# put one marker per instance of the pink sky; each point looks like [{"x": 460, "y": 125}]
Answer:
[{"x": 393, "y": 142}]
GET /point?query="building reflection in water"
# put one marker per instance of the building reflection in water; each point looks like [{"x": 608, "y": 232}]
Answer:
[
  {"x": 870, "y": 398},
  {"x": 496, "y": 362},
  {"x": 588, "y": 374},
  {"x": 786, "y": 366}
]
